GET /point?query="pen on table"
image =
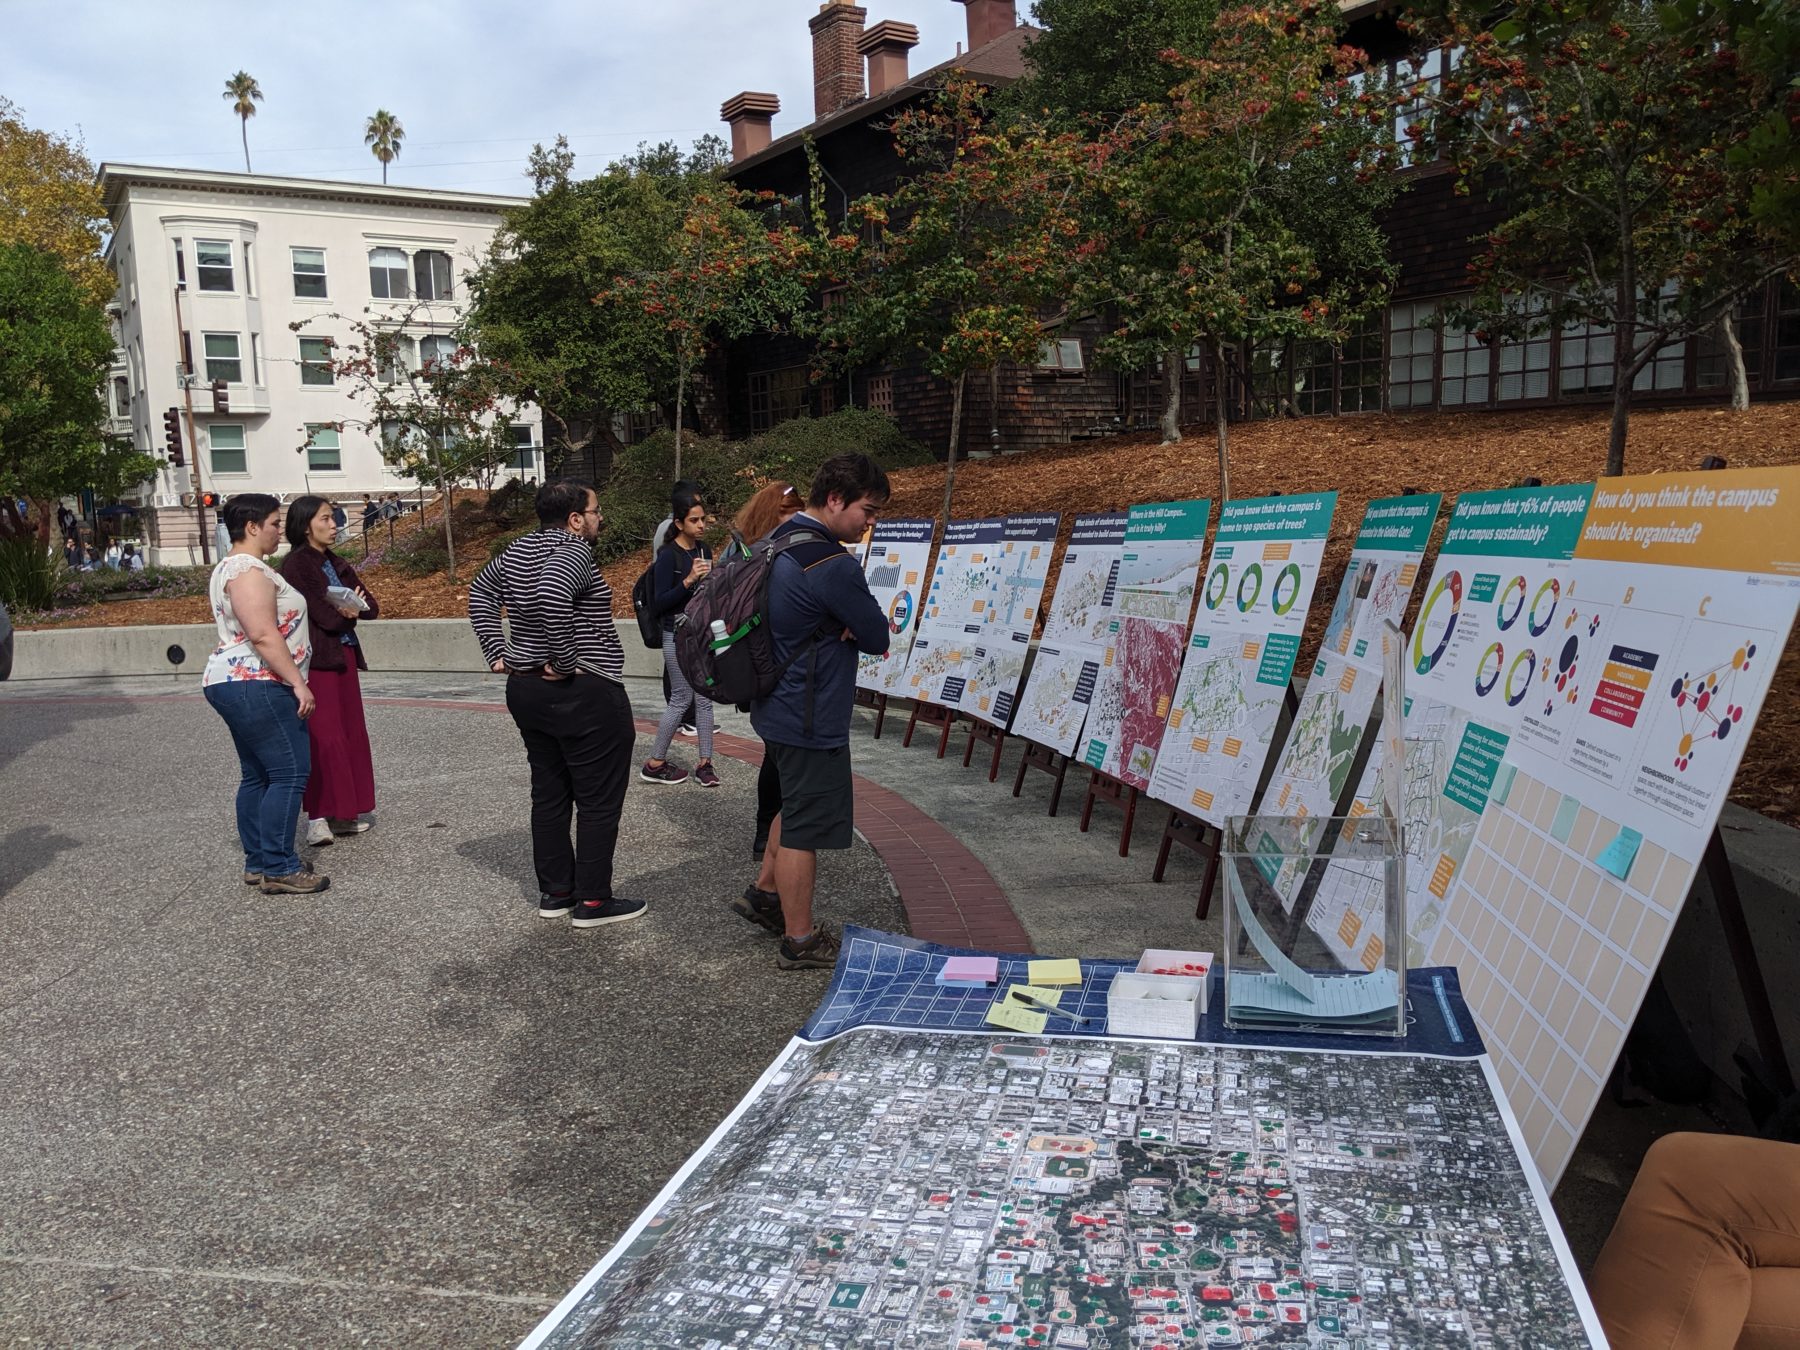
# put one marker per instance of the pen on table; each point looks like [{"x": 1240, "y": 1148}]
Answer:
[{"x": 1048, "y": 1007}]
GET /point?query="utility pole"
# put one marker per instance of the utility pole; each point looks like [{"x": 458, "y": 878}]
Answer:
[{"x": 193, "y": 439}]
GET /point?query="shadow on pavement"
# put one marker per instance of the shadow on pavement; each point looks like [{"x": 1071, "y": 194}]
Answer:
[{"x": 24, "y": 852}]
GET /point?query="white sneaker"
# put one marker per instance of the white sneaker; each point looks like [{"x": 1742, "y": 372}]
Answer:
[
  {"x": 687, "y": 729},
  {"x": 318, "y": 833}
]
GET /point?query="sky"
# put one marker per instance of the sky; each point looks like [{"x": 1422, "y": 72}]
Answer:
[{"x": 474, "y": 82}]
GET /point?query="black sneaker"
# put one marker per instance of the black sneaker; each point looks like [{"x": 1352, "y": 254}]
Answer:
[
  {"x": 666, "y": 774},
  {"x": 818, "y": 952},
  {"x": 762, "y": 908},
  {"x": 555, "y": 906},
  {"x": 596, "y": 913}
]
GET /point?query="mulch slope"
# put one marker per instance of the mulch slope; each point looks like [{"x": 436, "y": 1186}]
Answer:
[{"x": 1362, "y": 457}]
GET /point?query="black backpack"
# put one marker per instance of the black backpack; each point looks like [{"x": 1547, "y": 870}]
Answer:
[
  {"x": 649, "y": 623},
  {"x": 722, "y": 639}
]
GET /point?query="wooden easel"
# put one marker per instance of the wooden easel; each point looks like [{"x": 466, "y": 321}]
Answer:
[
  {"x": 987, "y": 734},
  {"x": 1103, "y": 787},
  {"x": 931, "y": 715},
  {"x": 1043, "y": 758},
  {"x": 869, "y": 698}
]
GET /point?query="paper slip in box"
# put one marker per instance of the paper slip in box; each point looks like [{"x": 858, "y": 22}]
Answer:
[
  {"x": 1154, "y": 1005},
  {"x": 1184, "y": 965}
]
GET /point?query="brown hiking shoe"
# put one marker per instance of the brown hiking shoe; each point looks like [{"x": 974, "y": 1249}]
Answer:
[
  {"x": 818, "y": 952},
  {"x": 296, "y": 883}
]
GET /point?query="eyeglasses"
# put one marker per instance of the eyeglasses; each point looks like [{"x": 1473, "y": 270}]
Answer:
[{"x": 593, "y": 511}]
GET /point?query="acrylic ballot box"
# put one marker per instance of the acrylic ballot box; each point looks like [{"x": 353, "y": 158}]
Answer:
[{"x": 1315, "y": 925}]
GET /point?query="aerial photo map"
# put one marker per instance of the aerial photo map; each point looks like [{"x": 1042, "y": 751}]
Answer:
[{"x": 934, "y": 1189}]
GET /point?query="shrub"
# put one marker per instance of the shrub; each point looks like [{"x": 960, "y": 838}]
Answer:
[
  {"x": 28, "y": 573},
  {"x": 635, "y": 498},
  {"x": 419, "y": 553},
  {"x": 87, "y": 588}
]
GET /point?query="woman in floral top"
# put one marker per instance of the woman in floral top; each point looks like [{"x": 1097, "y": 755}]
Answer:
[{"x": 256, "y": 680}]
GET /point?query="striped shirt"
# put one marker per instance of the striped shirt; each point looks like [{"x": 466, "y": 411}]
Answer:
[{"x": 559, "y": 608}]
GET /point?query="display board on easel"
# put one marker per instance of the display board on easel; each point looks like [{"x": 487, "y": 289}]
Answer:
[
  {"x": 1650, "y": 674},
  {"x": 1240, "y": 659},
  {"x": 1164, "y": 542},
  {"x": 992, "y": 672},
  {"x": 1053, "y": 709},
  {"x": 962, "y": 587},
  {"x": 897, "y": 561}
]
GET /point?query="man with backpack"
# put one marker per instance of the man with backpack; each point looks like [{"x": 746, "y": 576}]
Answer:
[{"x": 820, "y": 615}]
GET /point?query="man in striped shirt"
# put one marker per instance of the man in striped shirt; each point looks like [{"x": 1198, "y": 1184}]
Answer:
[{"x": 565, "y": 691}]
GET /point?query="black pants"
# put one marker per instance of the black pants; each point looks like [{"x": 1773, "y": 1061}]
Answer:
[
  {"x": 768, "y": 799},
  {"x": 578, "y": 739}
]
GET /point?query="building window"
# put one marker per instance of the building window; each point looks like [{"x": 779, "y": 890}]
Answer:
[
  {"x": 881, "y": 393},
  {"x": 1359, "y": 372},
  {"x": 524, "y": 460},
  {"x": 437, "y": 350},
  {"x": 1712, "y": 365},
  {"x": 121, "y": 396},
  {"x": 778, "y": 396},
  {"x": 1419, "y": 79},
  {"x": 227, "y": 442},
  {"x": 1585, "y": 360},
  {"x": 1412, "y": 354},
  {"x": 180, "y": 266},
  {"x": 400, "y": 359},
  {"x": 1314, "y": 368},
  {"x": 387, "y": 274},
  {"x": 212, "y": 260},
  {"x": 322, "y": 452},
  {"x": 315, "y": 361},
  {"x": 223, "y": 361},
  {"x": 309, "y": 273},
  {"x": 1787, "y": 332},
  {"x": 1061, "y": 356},
  {"x": 1524, "y": 364},
  {"x": 1467, "y": 362},
  {"x": 1665, "y": 371},
  {"x": 431, "y": 275}
]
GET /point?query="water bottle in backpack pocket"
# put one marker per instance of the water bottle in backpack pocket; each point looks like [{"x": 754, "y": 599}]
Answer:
[{"x": 723, "y": 643}]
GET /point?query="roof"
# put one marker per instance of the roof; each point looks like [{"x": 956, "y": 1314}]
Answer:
[
  {"x": 116, "y": 178},
  {"x": 999, "y": 62}
]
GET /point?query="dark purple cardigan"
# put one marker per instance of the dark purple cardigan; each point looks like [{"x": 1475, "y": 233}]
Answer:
[{"x": 304, "y": 569}]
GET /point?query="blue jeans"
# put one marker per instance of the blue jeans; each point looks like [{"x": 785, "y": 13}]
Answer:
[{"x": 276, "y": 758}]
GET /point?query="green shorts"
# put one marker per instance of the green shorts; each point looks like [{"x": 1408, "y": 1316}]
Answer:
[{"x": 817, "y": 800}]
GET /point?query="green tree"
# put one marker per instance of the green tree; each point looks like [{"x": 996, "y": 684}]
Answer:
[
  {"x": 383, "y": 133},
  {"x": 244, "y": 93},
  {"x": 965, "y": 264},
  {"x": 50, "y": 199},
  {"x": 55, "y": 347},
  {"x": 1098, "y": 59},
  {"x": 1618, "y": 148}
]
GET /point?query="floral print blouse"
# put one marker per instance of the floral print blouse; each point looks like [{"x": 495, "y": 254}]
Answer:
[{"x": 235, "y": 658}]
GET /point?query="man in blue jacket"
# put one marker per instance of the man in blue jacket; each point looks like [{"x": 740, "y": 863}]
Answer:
[{"x": 817, "y": 596}]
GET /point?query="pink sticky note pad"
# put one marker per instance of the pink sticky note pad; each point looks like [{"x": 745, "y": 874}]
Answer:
[{"x": 983, "y": 968}]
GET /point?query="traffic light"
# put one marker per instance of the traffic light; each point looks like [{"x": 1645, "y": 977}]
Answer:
[
  {"x": 172, "y": 435},
  {"x": 210, "y": 500},
  {"x": 221, "y": 397}
]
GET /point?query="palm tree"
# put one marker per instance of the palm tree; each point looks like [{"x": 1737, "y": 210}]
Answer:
[
  {"x": 383, "y": 135},
  {"x": 246, "y": 94}
]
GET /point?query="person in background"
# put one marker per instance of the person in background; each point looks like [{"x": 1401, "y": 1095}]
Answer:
[
  {"x": 565, "y": 690},
  {"x": 342, "y": 784},
  {"x": 72, "y": 558},
  {"x": 658, "y": 537},
  {"x": 680, "y": 564},
  {"x": 255, "y": 680},
  {"x": 768, "y": 508},
  {"x": 370, "y": 512},
  {"x": 820, "y": 616},
  {"x": 221, "y": 538},
  {"x": 137, "y": 560},
  {"x": 340, "y": 524}
]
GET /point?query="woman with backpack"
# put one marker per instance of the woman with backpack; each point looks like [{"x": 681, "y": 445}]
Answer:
[{"x": 681, "y": 564}]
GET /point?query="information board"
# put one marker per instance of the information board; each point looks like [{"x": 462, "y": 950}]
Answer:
[
  {"x": 1054, "y": 707},
  {"x": 1649, "y": 675},
  {"x": 896, "y": 562},
  {"x": 1142, "y": 661},
  {"x": 1315, "y": 763},
  {"x": 993, "y": 670},
  {"x": 1253, "y": 606},
  {"x": 956, "y": 604},
  {"x": 1495, "y": 595}
]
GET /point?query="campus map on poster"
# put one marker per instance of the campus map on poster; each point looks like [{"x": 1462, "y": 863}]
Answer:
[
  {"x": 1054, "y": 707},
  {"x": 1145, "y": 636},
  {"x": 898, "y": 553},
  {"x": 955, "y": 618},
  {"x": 1494, "y": 599},
  {"x": 1673, "y": 615},
  {"x": 992, "y": 671},
  {"x": 1240, "y": 658},
  {"x": 996, "y": 1191},
  {"x": 1321, "y": 747}
]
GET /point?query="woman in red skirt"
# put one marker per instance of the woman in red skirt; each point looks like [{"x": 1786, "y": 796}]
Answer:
[{"x": 342, "y": 785}]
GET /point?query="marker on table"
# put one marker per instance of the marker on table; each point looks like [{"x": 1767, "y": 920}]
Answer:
[{"x": 1048, "y": 1006}]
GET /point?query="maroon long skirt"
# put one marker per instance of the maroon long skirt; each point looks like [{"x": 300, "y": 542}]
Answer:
[{"x": 342, "y": 785}]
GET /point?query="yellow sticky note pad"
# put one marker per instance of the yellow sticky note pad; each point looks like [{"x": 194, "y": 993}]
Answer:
[
  {"x": 1067, "y": 971},
  {"x": 1016, "y": 1017},
  {"x": 1050, "y": 996}
]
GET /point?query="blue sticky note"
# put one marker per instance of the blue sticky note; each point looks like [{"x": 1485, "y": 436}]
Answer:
[
  {"x": 1564, "y": 824},
  {"x": 1618, "y": 856},
  {"x": 1502, "y": 785}
]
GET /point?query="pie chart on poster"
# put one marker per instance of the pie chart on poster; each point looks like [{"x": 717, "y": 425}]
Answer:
[
  {"x": 1437, "y": 622},
  {"x": 900, "y": 612},
  {"x": 1287, "y": 588}
]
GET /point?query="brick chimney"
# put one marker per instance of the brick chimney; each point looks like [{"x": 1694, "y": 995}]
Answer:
[
  {"x": 749, "y": 116},
  {"x": 988, "y": 19},
  {"x": 837, "y": 66},
  {"x": 886, "y": 45}
]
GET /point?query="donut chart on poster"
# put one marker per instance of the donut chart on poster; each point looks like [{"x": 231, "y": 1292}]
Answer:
[
  {"x": 1517, "y": 685},
  {"x": 1218, "y": 581},
  {"x": 1511, "y": 602},
  {"x": 1431, "y": 617},
  {"x": 1252, "y": 573},
  {"x": 1287, "y": 588},
  {"x": 1538, "y": 621},
  {"x": 1487, "y": 673}
]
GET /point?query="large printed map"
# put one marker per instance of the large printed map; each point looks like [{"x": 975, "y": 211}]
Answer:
[{"x": 1053, "y": 707}]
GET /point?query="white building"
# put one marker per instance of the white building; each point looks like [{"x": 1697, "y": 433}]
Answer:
[{"x": 241, "y": 258}]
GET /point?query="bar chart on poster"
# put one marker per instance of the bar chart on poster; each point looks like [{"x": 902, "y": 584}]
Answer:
[
  {"x": 1054, "y": 706},
  {"x": 895, "y": 566}
]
